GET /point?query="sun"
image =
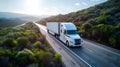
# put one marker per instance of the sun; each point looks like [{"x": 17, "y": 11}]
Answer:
[{"x": 33, "y": 6}]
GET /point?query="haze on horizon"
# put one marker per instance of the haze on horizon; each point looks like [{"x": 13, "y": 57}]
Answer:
[{"x": 46, "y": 7}]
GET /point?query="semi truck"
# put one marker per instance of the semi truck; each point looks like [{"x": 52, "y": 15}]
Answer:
[{"x": 66, "y": 32}]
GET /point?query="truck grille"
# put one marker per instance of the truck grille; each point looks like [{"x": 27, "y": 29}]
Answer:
[{"x": 77, "y": 41}]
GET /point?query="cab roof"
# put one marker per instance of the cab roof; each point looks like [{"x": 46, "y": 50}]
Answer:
[{"x": 69, "y": 26}]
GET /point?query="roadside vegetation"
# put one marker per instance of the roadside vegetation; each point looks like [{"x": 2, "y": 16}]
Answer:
[
  {"x": 25, "y": 46},
  {"x": 100, "y": 23}
]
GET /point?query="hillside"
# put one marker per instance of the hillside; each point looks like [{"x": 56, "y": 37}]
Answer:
[
  {"x": 108, "y": 11},
  {"x": 24, "y": 17},
  {"x": 100, "y": 23},
  {"x": 10, "y": 22},
  {"x": 25, "y": 46}
]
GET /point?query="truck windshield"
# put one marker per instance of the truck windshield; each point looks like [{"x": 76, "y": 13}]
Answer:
[{"x": 71, "y": 32}]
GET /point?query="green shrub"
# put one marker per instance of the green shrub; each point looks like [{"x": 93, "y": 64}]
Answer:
[
  {"x": 25, "y": 57},
  {"x": 86, "y": 26},
  {"x": 38, "y": 54},
  {"x": 18, "y": 34},
  {"x": 102, "y": 19},
  {"x": 37, "y": 44},
  {"x": 86, "y": 29},
  {"x": 113, "y": 41},
  {"x": 31, "y": 35},
  {"x": 117, "y": 27},
  {"x": 47, "y": 58},
  {"x": 102, "y": 32},
  {"x": 5, "y": 31},
  {"x": 57, "y": 57},
  {"x": 22, "y": 41},
  {"x": 4, "y": 53},
  {"x": 81, "y": 32},
  {"x": 9, "y": 43}
]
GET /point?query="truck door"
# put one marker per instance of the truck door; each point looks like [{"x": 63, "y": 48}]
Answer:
[
  {"x": 62, "y": 34},
  {"x": 65, "y": 37}
]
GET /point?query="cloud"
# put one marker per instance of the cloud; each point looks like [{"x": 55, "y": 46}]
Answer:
[
  {"x": 81, "y": 4},
  {"x": 77, "y": 4}
]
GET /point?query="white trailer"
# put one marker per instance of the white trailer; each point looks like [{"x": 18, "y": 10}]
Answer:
[
  {"x": 53, "y": 27},
  {"x": 66, "y": 32}
]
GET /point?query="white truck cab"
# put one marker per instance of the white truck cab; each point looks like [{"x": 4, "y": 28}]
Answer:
[
  {"x": 66, "y": 32},
  {"x": 69, "y": 35}
]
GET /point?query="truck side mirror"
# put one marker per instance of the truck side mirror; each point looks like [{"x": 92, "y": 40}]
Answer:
[{"x": 81, "y": 35}]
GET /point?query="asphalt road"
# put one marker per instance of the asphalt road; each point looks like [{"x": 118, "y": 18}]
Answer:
[{"x": 91, "y": 53}]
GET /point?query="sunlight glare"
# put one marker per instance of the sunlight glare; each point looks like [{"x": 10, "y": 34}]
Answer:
[{"x": 33, "y": 6}]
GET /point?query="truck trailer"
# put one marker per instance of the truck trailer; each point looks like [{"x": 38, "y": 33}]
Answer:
[{"x": 66, "y": 32}]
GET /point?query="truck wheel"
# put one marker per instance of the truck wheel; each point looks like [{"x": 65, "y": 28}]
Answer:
[
  {"x": 55, "y": 35},
  {"x": 67, "y": 43},
  {"x": 47, "y": 30}
]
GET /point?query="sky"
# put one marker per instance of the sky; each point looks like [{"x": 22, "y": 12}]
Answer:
[{"x": 46, "y": 7}]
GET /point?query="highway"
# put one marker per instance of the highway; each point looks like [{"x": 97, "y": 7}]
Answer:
[{"x": 91, "y": 54}]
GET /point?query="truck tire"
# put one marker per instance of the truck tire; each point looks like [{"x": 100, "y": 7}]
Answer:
[
  {"x": 55, "y": 35},
  {"x": 47, "y": 30},
  {"x": 67, "y": 43}
]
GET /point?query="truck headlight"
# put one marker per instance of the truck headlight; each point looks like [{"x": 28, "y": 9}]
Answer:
[{"x": 81, "y": 40}]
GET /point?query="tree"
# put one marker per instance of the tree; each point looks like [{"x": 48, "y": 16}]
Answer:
[
  {"x": 102, "y": 32},
  {"x": 102, "y": 19},
  {"x": 113, "y": 41},
  {"x": 18, "y": 34},
  {"x": 117, "y": 27},
  {"x": 22, "y": 42},
  {"x": 25, "y": 57},
  {"x": 10, "y": 43},
  {"x": 38, "y": 44},
  {"x": 86, "y": 27},
  {"x": 32, "y": 36},
  {"x": 57, "y": 59},
  {"x": 5, "y": 57},
  {"x": 47, "y": 59},
  {"x": 2, "y": 53},
  {"x": 38, "y": 54}
]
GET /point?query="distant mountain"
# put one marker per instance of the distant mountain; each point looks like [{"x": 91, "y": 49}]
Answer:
[
  {"x": 11, "y": 15},
  {"x": 13, "y": 19},
  {"x": 23, "y": 17}
]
